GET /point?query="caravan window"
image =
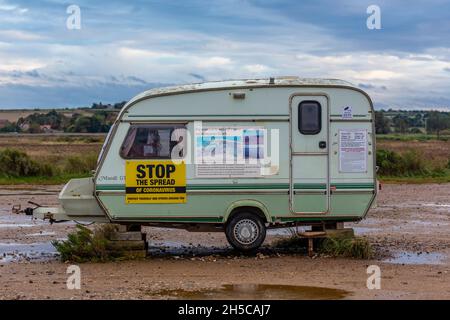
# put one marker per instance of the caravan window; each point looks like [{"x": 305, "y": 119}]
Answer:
[
  {"x": 150, "y": 141},
  {"x": 309, "y": 117}
]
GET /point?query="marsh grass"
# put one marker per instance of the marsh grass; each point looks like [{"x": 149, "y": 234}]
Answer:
[
  {"x": 86, "y": 245},
  {"x": 15, "y": 163},
  {"x": 410, "y": 164},
  {"x": 79, "y": 139},
  {"x": 339, "y": 246},
  {"x": 412, "y": 137},
  {"x": 18, "y": 167},
  {"x": 78, "y": 164},
  {"x": 356, "y": 247}
]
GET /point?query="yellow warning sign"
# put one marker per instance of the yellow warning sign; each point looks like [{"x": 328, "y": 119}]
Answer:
[{"x": 155, "y": 181}]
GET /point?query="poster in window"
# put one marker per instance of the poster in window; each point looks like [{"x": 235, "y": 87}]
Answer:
[{"x": 226, "y": 152}]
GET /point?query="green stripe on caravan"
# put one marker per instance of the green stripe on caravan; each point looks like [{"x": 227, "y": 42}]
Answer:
[{"x": 275, "y": 186}]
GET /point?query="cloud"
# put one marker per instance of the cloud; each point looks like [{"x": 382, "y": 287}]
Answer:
[
  {"x": 368, "y": 86},
  {"x": 256, "y": 68},
  {"x": 214, "y": 62},
  {"x": 123, "y": 47},
  {"x": 197, "y": 76},
  {"x": 5, "y": 6},
  {"x": 68, "y": 96},
  {"x": 14, "y": 35},
  {"x": 136, "y": 80}
]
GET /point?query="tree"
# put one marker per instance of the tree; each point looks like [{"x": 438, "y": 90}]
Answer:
[
  {"x": 99, "y": 106},
  {"x": 9, "y": 127},
  {"x": 119, "y": 105},
  {"x": 437, "y": 121},
  {"x": 382, "y": 124},
  {"x": 401, "y": 123}
]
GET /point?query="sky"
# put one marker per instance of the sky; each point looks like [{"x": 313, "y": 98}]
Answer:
[{"x": 126, "y": 47}]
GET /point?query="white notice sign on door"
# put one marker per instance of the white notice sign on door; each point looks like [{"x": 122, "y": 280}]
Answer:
[{"x": 353, "y": 150}]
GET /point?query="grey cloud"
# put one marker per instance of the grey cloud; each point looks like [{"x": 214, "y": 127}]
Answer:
[
  {"x": 197, "y": 76},
  {"x": 368, "y": 86},
  {"x": 136, "y": 79},
  {"x": 23, "y": 74},
  {"x": 24, "y": 96}
]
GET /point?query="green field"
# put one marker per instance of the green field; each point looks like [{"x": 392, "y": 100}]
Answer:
[{"x": 55, "y": 159}]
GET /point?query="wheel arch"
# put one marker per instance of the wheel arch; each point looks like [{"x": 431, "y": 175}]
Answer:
[{"x": 252, "y": 206}]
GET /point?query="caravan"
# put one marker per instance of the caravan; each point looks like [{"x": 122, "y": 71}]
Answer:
[{"x": 234, "y": 156}]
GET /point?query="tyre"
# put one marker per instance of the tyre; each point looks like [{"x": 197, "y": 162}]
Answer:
[{"x": 245, "y": 231}]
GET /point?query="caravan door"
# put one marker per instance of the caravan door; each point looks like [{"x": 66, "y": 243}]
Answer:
[{"x": 309, "y": 181}]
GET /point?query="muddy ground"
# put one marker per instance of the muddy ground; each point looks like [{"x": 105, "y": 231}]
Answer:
[{"x": 410, "y": 230}]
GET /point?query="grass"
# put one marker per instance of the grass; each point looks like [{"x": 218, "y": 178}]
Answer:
[
  {"x": 41, "y": 180},
  {"x": 412, "y": 137},
  {"x": 79, "y": 139},
  {"x": 17, "y": 167},
  {"x": 401, "y": 159},
  {"x": 349, "y": 247},
  {"x": 85, "y": 245},
  {"x": 411, "y": 166},
  {"x": 356, "y": 247},
  {"x": 416, "y": 179},
  {"x": 80, "y": 165}
]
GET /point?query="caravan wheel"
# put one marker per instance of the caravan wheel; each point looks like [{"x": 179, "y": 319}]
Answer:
[{"x": 246, "y": 231}]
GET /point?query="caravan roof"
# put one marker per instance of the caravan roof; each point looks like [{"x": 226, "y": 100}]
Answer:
[{"x": 230, "y": 84}]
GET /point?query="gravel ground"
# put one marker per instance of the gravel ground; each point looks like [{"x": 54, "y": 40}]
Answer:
[{"x": 409, "y": 229}]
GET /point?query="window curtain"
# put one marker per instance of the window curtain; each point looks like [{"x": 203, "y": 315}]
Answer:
[{"x": 130, "y": 141}]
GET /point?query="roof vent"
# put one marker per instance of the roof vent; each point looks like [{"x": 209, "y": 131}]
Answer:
[{"x": 238, "y": 95}]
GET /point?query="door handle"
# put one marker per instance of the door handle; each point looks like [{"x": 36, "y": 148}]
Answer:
[{"x": 322, "y": 144}]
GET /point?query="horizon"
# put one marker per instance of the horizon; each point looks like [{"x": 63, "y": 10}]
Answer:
[
  {"x": 57, "y": 54},
  {"x": 42, "y": 109}
]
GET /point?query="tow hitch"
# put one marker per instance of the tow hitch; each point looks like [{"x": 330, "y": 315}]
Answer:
[
  {"x": 41, "y": 212},
  {"x": 17, "y": 208}
]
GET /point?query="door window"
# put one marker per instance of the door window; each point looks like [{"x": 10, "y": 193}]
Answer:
[{"x": 309, "y": 117}]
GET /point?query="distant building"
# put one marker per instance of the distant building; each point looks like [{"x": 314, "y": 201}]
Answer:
[
  {"x": 46, "y": 128},
  {"x": 24, "y": 126},
  {"x": 3, "y": 123}
]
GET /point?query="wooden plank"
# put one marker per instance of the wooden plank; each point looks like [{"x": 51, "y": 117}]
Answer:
[
  {"x": 127, "y": 236},
  {"x": 126, "y": 245},
  {"x": 312, "y": 234},
  {"x": 121, "y": 228}
]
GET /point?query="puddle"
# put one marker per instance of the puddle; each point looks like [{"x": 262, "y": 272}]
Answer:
[
  {"x": 258, "y": 292},
  {"x": 34, "y": 188},
  {"x": 19, "y": 221},
  {"x": 437, "y": 205},
  {"x": 428, "y": 223},
  {"x": 408, "y": 225},
  {"x": 28, "y": 193},
  {"x": 440, "y": 207},
  {"x": 445, "y": 208},
  {"x": 287, "y": 231},
  {"x": 44, "y": 233},
  {"x": 417, "y": 258},
  {"x": 13, "y": 252},
  {"x": 364, "y": 230},
  {"x": 18, "y": 225}
]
